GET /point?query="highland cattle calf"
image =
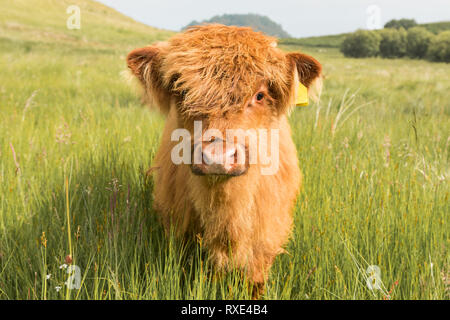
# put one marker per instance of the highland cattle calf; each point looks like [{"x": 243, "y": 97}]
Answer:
[{"x": 227, "y": 165}]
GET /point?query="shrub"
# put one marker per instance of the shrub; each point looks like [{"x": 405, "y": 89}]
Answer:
[
  {"x": 439, "y": 48},
  {"x": 393, "y": 43},
  {"x": 402, "y": 23},
  {"x": 418, "y": 40},
  {"x": 361, "y": 44}
]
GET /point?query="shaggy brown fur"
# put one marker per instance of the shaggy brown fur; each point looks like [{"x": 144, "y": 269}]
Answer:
[{"x": 212, "y": 73}]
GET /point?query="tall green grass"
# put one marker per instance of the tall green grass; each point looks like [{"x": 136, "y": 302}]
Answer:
[{"x": 75, "y": 145}]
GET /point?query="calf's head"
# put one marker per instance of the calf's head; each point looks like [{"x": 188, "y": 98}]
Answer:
[{"x": 224, "y": 85}]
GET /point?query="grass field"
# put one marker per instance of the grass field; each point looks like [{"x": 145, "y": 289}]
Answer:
[{"x": 75, "y": 143}]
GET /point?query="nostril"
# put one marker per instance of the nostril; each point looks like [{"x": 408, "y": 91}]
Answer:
[
  {"x": 207, "y": 158},
  {"x": 239, "y": 154},
  {"x": 211, "y": 155},
  {"x": 231, "y": 155}
]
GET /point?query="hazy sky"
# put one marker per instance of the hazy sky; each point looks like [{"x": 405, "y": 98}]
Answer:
[{"x": 299, "y": 18}]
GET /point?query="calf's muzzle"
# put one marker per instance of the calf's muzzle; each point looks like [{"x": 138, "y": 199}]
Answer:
[{"x": 219, "y": 157}]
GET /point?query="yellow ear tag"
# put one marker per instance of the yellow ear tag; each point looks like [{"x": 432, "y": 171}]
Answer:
[{"x": 301, "y": 100}]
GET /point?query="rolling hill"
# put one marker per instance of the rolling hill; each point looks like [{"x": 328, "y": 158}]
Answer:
[
  {"x": 256, "y": 21},
  {"x": 44, "y": 21}
]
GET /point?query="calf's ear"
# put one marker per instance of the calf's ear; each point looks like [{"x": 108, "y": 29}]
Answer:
[
  {"x": 140, "y": 60},
  {"x": 308, "y": 68},
  {"x": 145, "y": 64}
]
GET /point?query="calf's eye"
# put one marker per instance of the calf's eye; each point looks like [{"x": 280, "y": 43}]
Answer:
[{"x": 259, "y": 96}]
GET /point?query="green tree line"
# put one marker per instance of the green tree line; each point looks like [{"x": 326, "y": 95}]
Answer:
[{"x": 399, "y": 38}]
